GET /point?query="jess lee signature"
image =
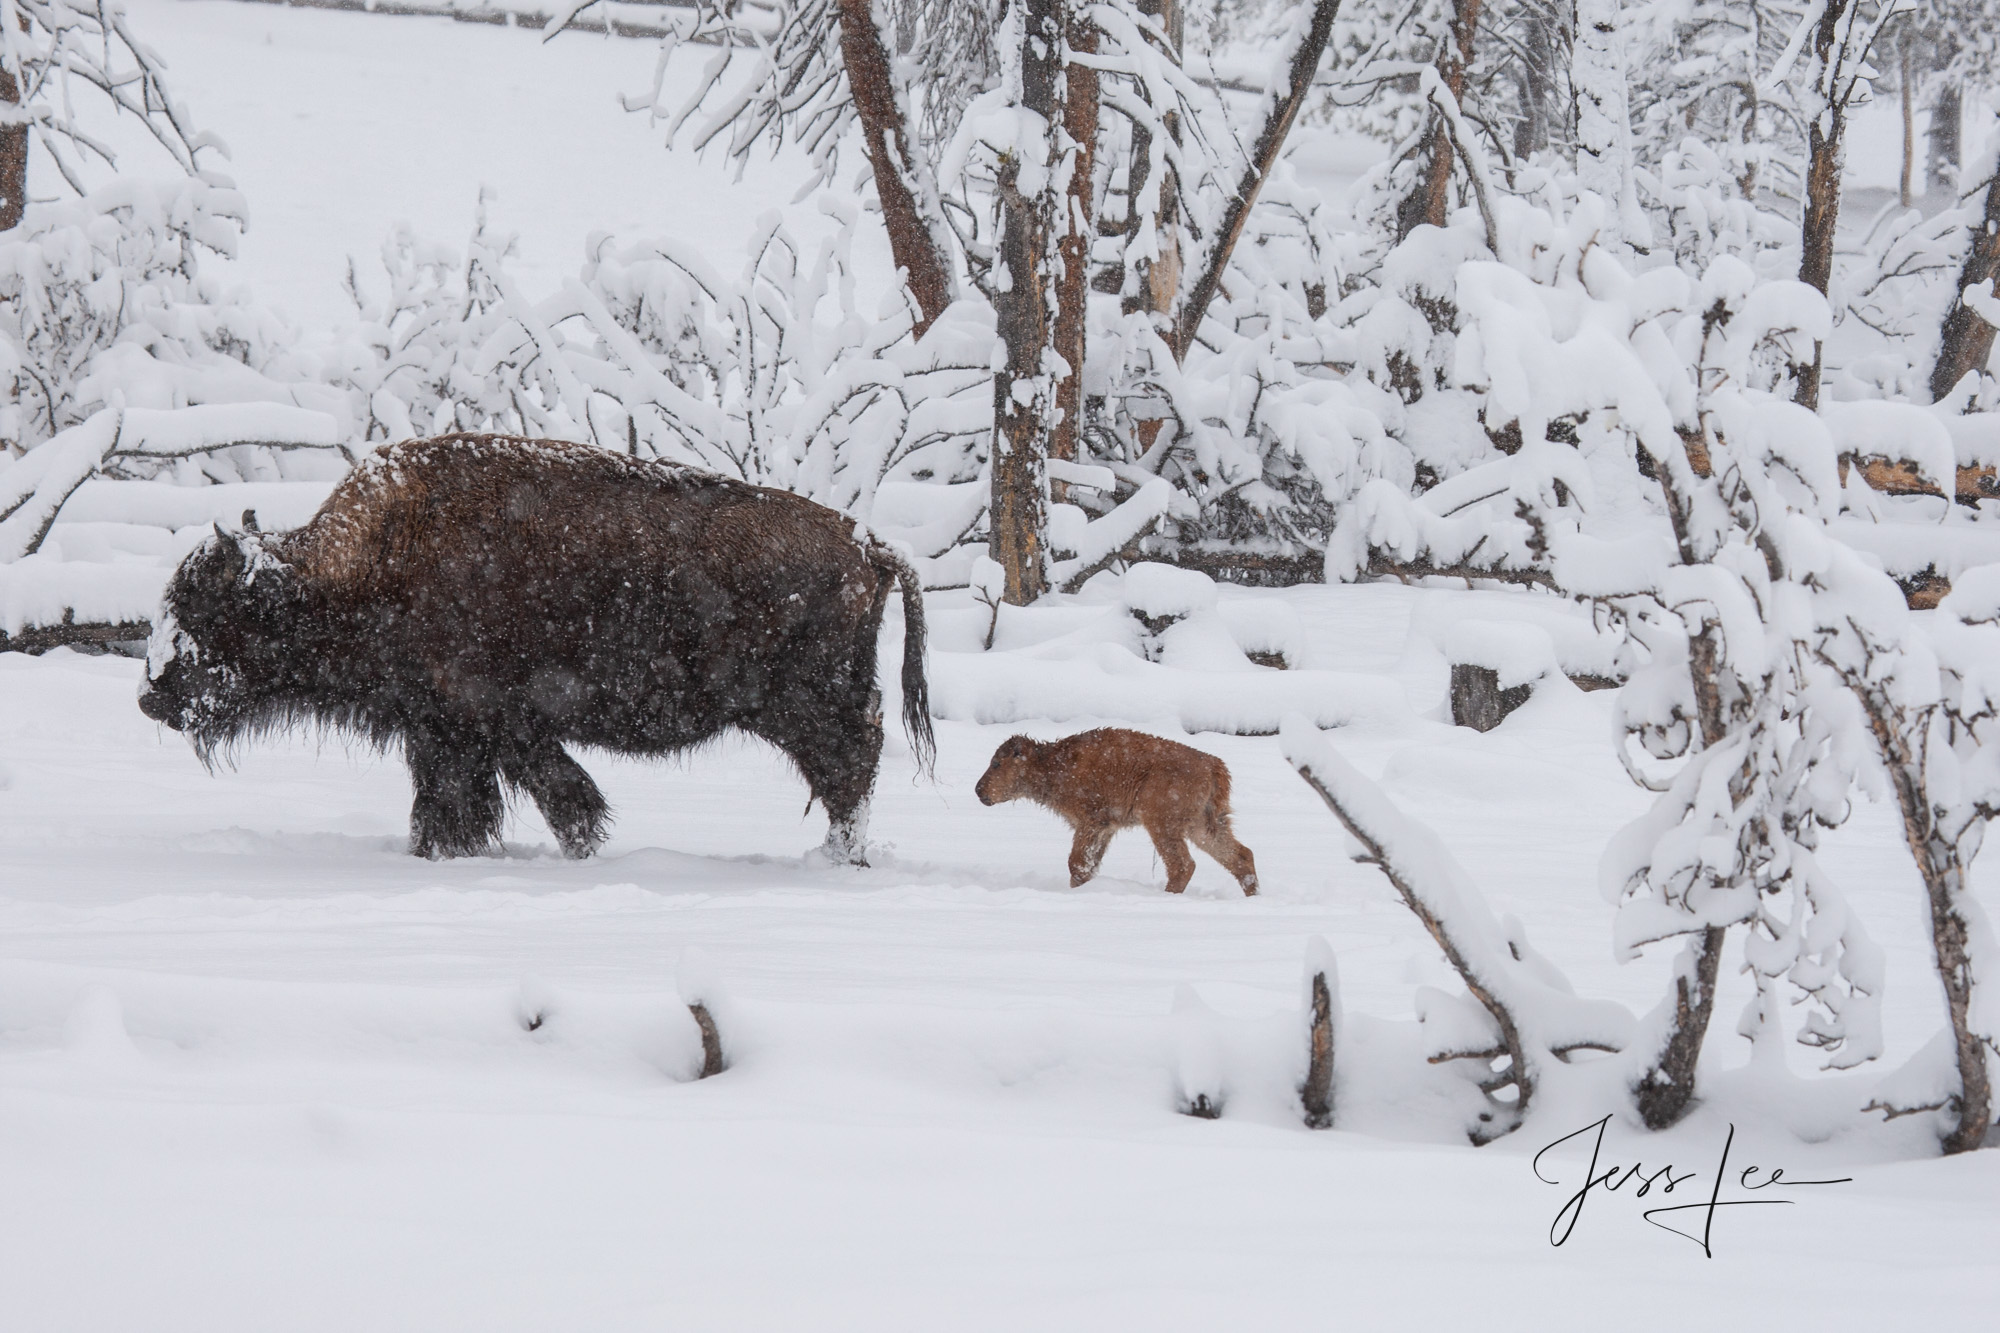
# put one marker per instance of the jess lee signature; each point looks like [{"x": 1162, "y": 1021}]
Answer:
[{"x": 1613, "y": 1179}]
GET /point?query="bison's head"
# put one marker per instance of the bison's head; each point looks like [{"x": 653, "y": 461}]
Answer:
[
  {"x": 217, "y": 659},
  {"x": 1011, "y": 774}
]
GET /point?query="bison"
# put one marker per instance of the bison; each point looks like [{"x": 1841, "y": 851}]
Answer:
[
  {"x": 1105, "y": 780},
  {"x": 482, "y": 601}
]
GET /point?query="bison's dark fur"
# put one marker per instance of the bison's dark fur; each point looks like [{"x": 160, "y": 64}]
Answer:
[{"x": 481, "y": 601}]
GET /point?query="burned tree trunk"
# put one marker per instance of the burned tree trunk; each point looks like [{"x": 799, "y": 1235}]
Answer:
[
  {"x": 1263, "y": 156},
  {"x": 1826, "y": 147},
  {"x": 13, "y": 156},
  {"x": 1967, "y": 339},
  {"x": 1077, "y": 228},
  {"x": 1430, "y": 202},
  {"x": 1822, "y": 213},
  {"x": 1023, "y": 397},
  {"x": 913, "y": 237},
  {"x": 1322, "y": 1016}
]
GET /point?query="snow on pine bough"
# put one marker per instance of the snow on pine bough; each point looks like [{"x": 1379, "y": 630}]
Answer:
[{"x": 482, "y": 601}]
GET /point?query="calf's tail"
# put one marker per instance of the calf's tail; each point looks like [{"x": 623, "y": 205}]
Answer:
[{"x": 916, "y": 692}]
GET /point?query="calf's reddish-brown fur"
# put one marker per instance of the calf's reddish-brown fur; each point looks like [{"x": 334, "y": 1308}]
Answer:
[{"x": 1105, "y": 780}]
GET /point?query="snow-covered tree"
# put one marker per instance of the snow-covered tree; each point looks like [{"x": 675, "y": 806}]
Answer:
[{"x": 103, "y": 294}]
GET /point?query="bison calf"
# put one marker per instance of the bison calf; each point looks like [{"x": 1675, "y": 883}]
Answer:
[{"x": 1105, "y": 780}]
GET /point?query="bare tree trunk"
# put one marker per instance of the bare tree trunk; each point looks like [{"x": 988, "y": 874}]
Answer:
[
  {"x": 1531, "y": 131},
  {"x": 1944, "y": 886},
  {"x": 1023, "y": 401},
  {"x": 1967, "y": 340},
  {"x": 1946, "y": 134},
  {"x": 1077, "y": 230},
  {"x": 1907, "y": 194},
  {"x": 1159, "y": 276},
  {"x": 1263, "y": 156},
  {"x": 1431, "y": 201},
  {"x": 13, "y": 158},
  {"x": 1317, "y": 1094},
  {"x": 1664, "y": 1092},
  {"x": 1825, "y": 147},
  {"x": 913, "y": 237}
]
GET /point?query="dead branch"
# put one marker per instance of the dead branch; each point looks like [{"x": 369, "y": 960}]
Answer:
[
  {"x": 711, "y": 1042},
  {"x": 1263, "y": 157}
]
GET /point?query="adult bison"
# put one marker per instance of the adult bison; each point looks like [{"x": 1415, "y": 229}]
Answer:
[{"x": 482, "y": 600}]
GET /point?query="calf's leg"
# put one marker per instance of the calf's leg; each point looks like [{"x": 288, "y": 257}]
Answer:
[
  {"x": 575, "y": 809},
  {"x": 1215, "y": 837},
  {"x": 1172, "y": 845},
  {"x": 457, "y": 810},
  {"x": 1087, "y": 853}
]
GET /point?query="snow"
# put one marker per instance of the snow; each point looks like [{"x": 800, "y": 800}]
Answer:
[
  {"x": 952, "y": 1088},
  {"x": 340, "y": 125},
  {"x": 259, "y": 1068},
  {"x": 1519, "y": 654},
  {"x": 1164, "y": 592}
]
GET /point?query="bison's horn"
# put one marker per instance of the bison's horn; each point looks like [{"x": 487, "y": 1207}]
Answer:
[{"x": 250, "y": 520}]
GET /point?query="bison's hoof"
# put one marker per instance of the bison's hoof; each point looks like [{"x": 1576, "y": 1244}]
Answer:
[{"x": 837, "y": 857}]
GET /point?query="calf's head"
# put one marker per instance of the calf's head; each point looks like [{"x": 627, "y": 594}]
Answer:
[
  {"x": 217, "y": 660},
  {"x": 1012, "y": 774}
]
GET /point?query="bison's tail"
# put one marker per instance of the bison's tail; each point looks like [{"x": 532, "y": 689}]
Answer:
[{"x": 916, "y": 692}]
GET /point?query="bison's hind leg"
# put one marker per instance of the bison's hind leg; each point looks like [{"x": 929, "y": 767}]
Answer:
[
  {"x": 575, "y": 809},
  {"x": 457, "y": 810},
  {"x": 1214, "y": 836},
  {"x": 833, "y": 732}
]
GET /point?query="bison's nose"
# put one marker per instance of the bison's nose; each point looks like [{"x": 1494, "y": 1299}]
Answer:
[
  {"x": 983, "y": 792},
  {"x": 161, "y": 709}
]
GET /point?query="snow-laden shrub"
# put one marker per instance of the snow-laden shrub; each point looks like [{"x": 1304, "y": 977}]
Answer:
[
  {"x": 105, "y": 296},
  {"x": 413, "y": 363},
  {"x": 1699, "y": 509},
  {"x": 778, "y": 376}
]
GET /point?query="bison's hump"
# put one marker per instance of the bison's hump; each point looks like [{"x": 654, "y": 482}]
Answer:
[{"x": 415, "y": 502}]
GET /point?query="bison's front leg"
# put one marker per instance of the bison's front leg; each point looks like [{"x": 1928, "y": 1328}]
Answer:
[
  {"x": 575, "y": 809},
  {"x": 457, "y": 811}
]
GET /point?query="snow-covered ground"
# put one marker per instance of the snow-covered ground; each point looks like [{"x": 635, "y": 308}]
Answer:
[{"x": 259, "y": 1069}]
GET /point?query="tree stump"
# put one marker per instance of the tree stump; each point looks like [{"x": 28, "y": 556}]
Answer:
[
  {"x": 711, "y": 1042},
  {"x": 1477, "y": 701},
  {"x": 1317, "y": 1094}
]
